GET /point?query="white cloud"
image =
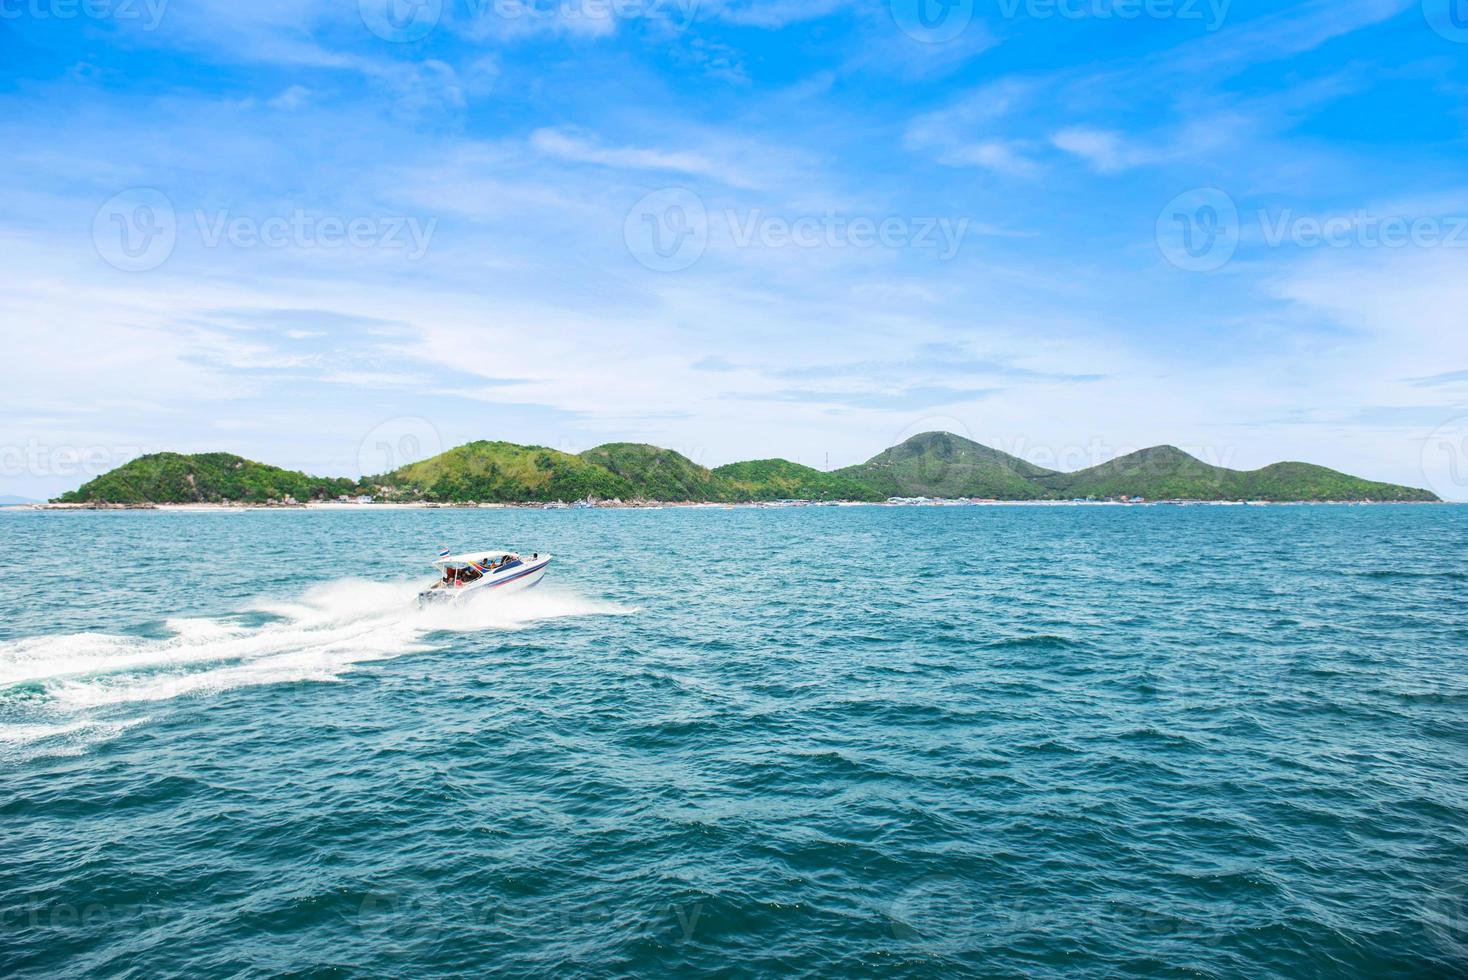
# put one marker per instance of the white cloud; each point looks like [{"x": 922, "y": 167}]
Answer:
[
  {"x": 1001, "y": 156},
  {"x": 291, "y": 99},
  {"x": 577, "y": 148},
  {"x": 1106, "y": 150},
  {"x": 967, "y": 133},
  {"x": 770, "y": 14}
]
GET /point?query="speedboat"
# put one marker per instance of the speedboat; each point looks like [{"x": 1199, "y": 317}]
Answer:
[{"x": 479, "y": 572}]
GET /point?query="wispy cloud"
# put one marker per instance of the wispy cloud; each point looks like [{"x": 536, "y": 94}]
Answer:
[
  {"x": 892, "y": 399},
  {"x": 581, "y": 148},
  {"x": 1106, "y": 150},
  {"x": 1439, "y": 380},
  {"x": 291, "y": 98}
]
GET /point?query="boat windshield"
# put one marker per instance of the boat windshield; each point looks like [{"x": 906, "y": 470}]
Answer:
[{"x": 463, "y": 568}]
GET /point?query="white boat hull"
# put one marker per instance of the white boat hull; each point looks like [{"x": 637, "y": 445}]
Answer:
[{"x": 506, "y": 581}]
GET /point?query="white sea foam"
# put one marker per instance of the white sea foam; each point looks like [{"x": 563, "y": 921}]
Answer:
[
  {"x": 317, "y": 637},
  {"x": 64, "y": 738}
]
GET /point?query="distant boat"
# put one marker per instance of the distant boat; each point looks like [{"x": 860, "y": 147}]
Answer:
[{"x": 478, "y": 572}]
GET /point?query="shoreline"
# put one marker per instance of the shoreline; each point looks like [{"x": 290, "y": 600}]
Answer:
[{"x": 324, "y": 505}]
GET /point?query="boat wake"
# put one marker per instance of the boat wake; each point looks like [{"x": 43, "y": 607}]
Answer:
[{"x": 49, "y": 685}]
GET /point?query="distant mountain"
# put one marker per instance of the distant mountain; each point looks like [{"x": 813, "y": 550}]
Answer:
[
  {"x": 941, "y": 464},
  {"x": 933, "y": 464},
  {"x": 780, "y": 479},
  {"x": 500, "y": 472},
  {"x": 6, "y": 500},
  {"x": 1159, "y": 473},
  {"x": 656, "y": 474},
  {"x": 1168, "y": 473},
  {"x": 1306, "y": 481},
  {"x": 175, "y": 478}
]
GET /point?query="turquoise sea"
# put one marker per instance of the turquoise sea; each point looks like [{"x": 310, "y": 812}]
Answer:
[{"x": 988, "y": 741}]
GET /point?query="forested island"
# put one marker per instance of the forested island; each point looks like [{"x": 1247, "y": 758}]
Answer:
[{"x": 937, "y": 465}]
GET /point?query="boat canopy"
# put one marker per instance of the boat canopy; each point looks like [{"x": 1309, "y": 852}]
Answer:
[{"x": 473, "y": 558}]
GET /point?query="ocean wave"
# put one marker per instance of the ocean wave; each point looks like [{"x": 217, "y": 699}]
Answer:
[
  {"x": 1448, "y": 575},
  {"x": 317, "y": 637},
  {"x": 1038, "y": 641},
  {"x": 60, "y": 738}
]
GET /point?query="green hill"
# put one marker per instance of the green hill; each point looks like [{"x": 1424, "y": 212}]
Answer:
[
  {"x": 933, "y": 464},
  {"x": 176, "y": 478},
  {"x": 655, "y": 473},
  {"x": 1168, "y": 473},
  {"x": 1306, "y": 481},
  {"x": 1159, "y": 473},
  {"x": 941, "y": 464},
  {"x": 500, "y": 472},
  {"x": 780, "y": 479}
]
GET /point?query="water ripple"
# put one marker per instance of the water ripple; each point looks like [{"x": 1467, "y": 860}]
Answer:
[{"x": 1096, "y": 742}]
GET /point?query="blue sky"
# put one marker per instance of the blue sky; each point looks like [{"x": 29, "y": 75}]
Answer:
[{"x": 331, "y": 235}]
